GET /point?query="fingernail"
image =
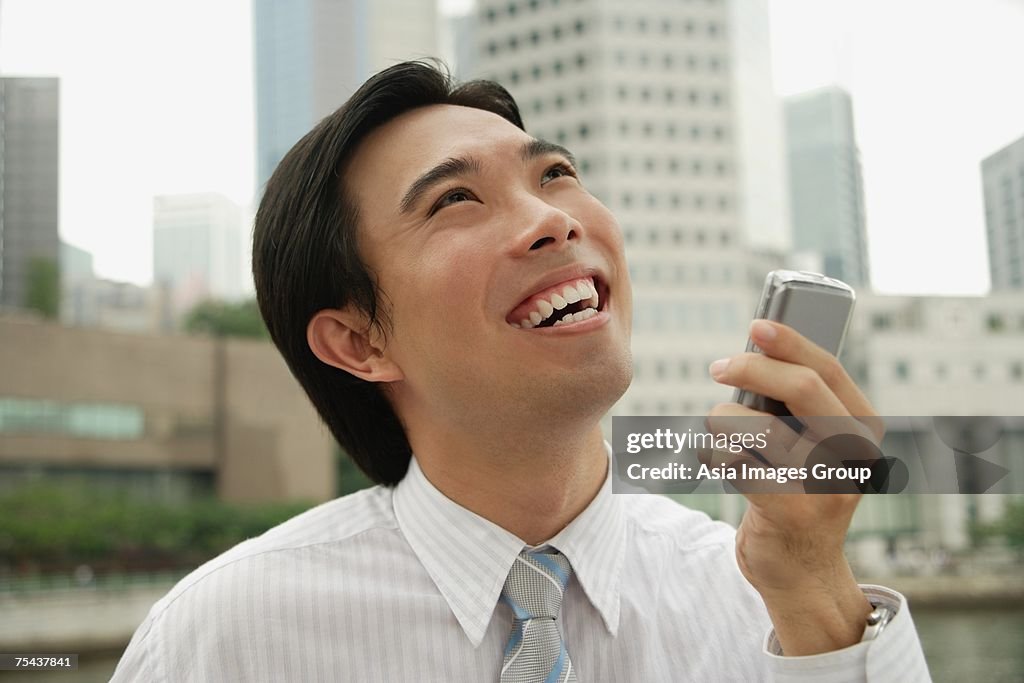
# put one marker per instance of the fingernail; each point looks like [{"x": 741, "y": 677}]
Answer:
[
  {"x": 717, "y": 369},
  {"x": 763, "y": 330}
]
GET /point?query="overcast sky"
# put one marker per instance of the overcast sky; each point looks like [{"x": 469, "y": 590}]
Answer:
[{"x": 156, "y": 98}]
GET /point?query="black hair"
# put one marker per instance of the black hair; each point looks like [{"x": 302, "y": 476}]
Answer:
[{"x": 306, "y": 258}]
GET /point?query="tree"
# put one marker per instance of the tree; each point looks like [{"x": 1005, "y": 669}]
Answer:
[
  {"x": 42, "y": 291},
  {"x": 223, "y": 319}
]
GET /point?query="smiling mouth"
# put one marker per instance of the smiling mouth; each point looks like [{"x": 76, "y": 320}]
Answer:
[{"x": 565, "y": 303}]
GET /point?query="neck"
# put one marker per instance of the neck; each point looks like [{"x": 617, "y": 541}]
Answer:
[{"x": 533, "y": 488}]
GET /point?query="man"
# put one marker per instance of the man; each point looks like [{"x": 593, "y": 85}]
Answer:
[{"x": 458, "y": 308}]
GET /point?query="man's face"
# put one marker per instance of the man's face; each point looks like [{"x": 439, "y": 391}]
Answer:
[{"x": 476, "y": 232}]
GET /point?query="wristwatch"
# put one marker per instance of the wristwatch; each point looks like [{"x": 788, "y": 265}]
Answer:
[{"x": 879, "y": 618}]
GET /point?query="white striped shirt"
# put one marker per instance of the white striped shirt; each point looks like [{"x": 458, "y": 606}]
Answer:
[{"x": 403, "y": 584}]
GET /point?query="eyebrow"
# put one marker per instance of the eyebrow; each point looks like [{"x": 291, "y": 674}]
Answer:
[{"x": 457, "y": 166}]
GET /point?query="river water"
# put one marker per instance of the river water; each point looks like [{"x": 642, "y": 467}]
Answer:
[{"x": 979, "y": 646}]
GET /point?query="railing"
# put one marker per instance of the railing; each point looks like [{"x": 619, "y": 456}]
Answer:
[{"x": 63, "y": 583}]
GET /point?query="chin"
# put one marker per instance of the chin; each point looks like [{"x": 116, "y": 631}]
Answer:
[{"x": 590, "y": 389}]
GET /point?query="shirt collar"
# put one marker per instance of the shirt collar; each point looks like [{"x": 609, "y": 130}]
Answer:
[{"x": 468, "y": 557}]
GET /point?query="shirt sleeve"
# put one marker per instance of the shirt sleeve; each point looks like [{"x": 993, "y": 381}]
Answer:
[
  {"x": 136, "y": 662},
  {"x": 895, "y": 656}
]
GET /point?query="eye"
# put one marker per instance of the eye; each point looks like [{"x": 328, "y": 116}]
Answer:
[
  {"x": 456, "y": 196},
  {"x": 559, "y": 170}
]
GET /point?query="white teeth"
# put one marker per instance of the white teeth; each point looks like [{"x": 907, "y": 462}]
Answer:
[
  {"x": 582, "y": 290},
  {"x": 576, "y": 317},
  {"x": 515, "y": 325}
]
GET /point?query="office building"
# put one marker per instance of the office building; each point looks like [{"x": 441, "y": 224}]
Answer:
[
  {"x": 826, "y": 189},
  {"x": 29, "y": 116},
  {"x": 168, "y": 417},
  {"x": 310, "y": 55},
  {"x": 197, "y": 248},
  {"x": 1002, "y": 177}
]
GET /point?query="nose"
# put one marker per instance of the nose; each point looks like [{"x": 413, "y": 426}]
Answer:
[{"x": 548, "y": 227}]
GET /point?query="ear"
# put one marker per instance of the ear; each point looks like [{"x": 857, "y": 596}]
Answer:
[{"x": 342, "y": 338}]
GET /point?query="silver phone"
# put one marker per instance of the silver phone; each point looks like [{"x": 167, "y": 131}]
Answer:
[{"x": 816, "y": 306}]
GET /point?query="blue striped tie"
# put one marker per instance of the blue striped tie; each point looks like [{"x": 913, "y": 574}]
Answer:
[{"x": 535, "y": 651}]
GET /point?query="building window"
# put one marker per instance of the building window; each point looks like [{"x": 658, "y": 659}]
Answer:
[
  {"x": 1017, "y": 371},
  {"x": 78, "y": 419},
  {"x": 901, "y": 370}
]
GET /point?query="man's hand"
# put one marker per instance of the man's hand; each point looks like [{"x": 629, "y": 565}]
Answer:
[{"x": 790, "y": 547}]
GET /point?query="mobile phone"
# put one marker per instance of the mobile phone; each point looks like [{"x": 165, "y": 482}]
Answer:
[{"x": 816, "y": 306}]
